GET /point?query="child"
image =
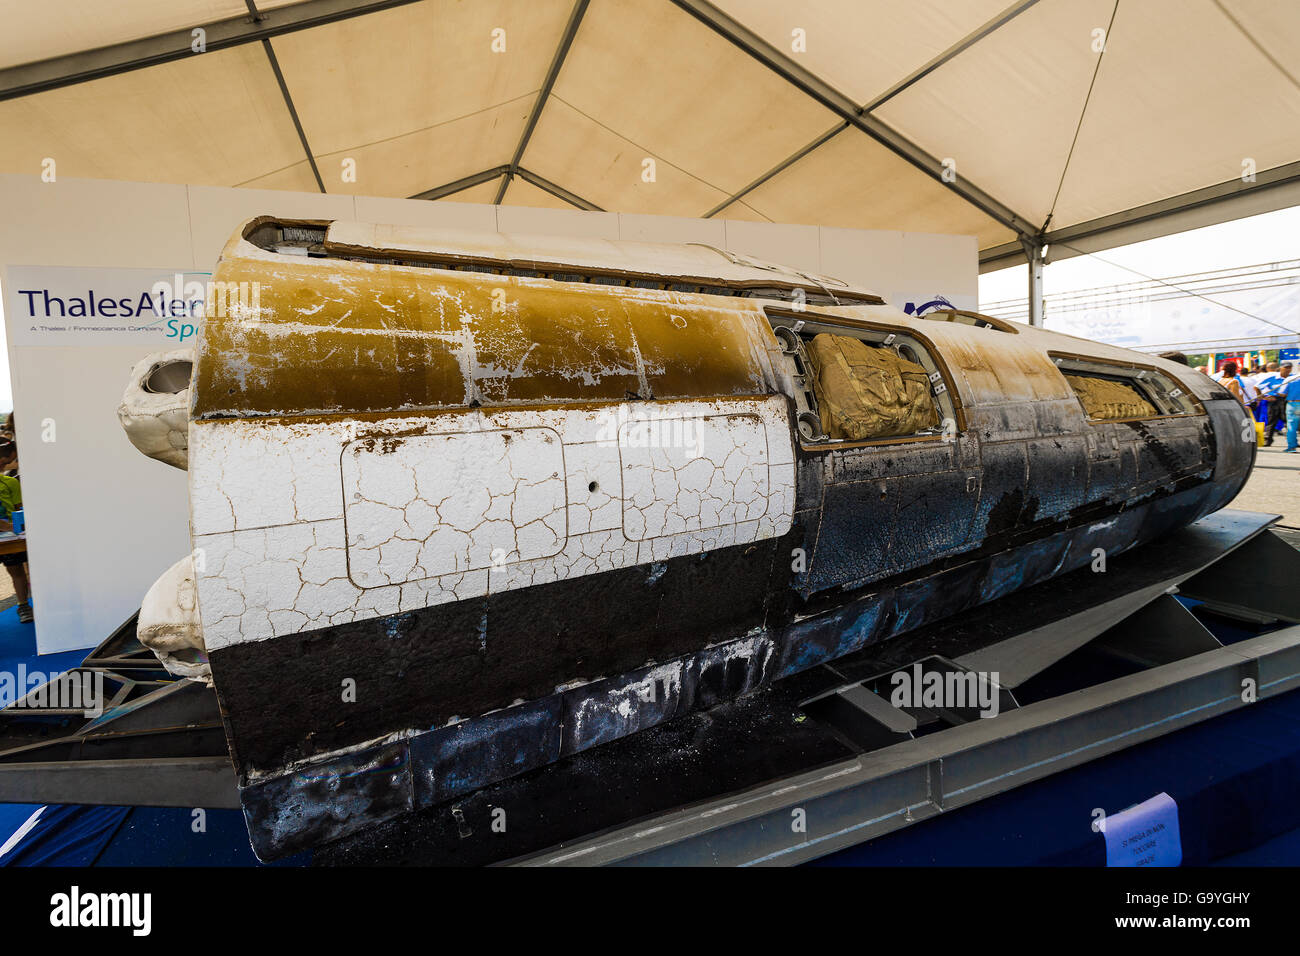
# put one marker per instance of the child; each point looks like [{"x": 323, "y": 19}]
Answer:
[{"x": 11, "y": 499}]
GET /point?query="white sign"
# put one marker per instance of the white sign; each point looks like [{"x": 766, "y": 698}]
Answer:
[
  {"x": 60, "y": 306},
  {"x": 1145, "y": 834}
]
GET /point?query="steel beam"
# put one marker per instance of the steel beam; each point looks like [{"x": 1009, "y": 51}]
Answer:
[
  {"x": 778, "y": 168},
  {"x": 1221, "y": 196},
  {"x": 28, "y": 78},
  {"x": 439, "y": 192},
  {"x": 961, "y": 46},
  {"x": 559, "y": 192},
  {"x": 146, "y": 782},
  {"x": 888, "y": 789},
  {"x": 1035, "y": 255},
  {"x": 557, "y": 61},
  {"x": 293, "y": 112},
  {"x": 835, "y": 101}
]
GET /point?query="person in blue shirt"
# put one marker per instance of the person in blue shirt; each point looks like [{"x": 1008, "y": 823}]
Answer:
[
  {"x": 1290, "y": 390},
  {"x": 1274, "y": 404}
]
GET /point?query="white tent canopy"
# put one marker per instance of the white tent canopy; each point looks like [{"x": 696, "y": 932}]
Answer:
[{"x": 1081, "y": 124}]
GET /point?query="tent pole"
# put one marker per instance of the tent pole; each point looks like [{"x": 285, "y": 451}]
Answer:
[{"x": 1036, "y": 255}]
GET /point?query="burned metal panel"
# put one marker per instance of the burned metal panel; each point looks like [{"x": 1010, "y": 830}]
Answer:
[
  {"x": 891, "y": 507},
  {"x": 857, "y": 527},
  {"x": 996, "y": 368},
  {"x": 934, "y": 516},
  {"x": 607, "y": 710},
  {"x": 1059, "y": 417},
  {"x": 1111, "y": 535},
  {"x": 814, "y": 472},
  {"x": 392, "y": 665},
  {"x": 1232, "y": 435},
  {"x": 1112, "y": 464},
  {"x": 834, "y": 633},
  {"x": 893, "y": 460},
  {"x": 430, "y": 666},
  {"x": 1167, "y": 512},
  {"x": 1007, "y": 421},
  {"x": 1004, "y": 484},
  {"x": 322, "y": 802},
  {"x": 1167, "y": 449},
  {"x": 341, "y": 793},
  {"x": 455, "y": 760},
  {"x": 1058, "y": 477},
  {"x": 933, "y": 598},
  {"x": 1011, "y": 570}
]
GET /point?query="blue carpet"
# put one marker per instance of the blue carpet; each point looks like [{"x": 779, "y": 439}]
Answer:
[
  {"x": 18, "y": 646},
  {"x": 67, "y": 836},
  {"x": 176, "y": 836}
]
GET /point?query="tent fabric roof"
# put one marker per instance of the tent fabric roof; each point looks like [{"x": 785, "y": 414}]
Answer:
[{"x": 990, "y": 117}]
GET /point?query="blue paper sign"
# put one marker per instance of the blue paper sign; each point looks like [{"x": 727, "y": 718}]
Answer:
[{"x": 1145, "y": 835}]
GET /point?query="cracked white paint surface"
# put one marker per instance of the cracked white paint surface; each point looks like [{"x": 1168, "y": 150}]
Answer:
[
  {"x": 701, "y": 473},
  {"x": 305, "y": 525},
  {"x": 429, "y": 505}
]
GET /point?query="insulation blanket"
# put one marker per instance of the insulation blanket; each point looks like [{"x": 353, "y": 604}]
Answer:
[
  {"x": 868, "y": 392},
  {"x": 1109, "y": 400}
]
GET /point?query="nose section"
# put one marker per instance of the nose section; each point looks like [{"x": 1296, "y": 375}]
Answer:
[
  {"x": 155, "y": 409},
  {"x": 169, "y": 623}
]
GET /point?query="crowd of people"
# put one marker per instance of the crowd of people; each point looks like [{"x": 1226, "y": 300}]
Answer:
[{"x": 1271, "y": 392}]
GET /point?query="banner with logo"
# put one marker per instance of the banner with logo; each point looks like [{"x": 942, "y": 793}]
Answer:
[{"x": 60, "y": 306}]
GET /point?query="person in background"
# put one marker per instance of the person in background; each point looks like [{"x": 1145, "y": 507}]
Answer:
[
  {"x": 1274, "y": 405},
  {"x": 1290, "y": 391},
  {"x": 11, "y": 499},
  {"x": 1234, "y": 383},
  {"x": 1249, "y": 390},
  {"x": 1178, "y": 357}
]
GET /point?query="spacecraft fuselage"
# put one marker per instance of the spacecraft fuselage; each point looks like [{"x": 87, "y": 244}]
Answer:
[{"x": 466, "y": 507}]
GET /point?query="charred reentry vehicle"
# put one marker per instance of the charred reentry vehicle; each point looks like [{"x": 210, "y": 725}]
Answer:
[{"x": 463, "y": 505}]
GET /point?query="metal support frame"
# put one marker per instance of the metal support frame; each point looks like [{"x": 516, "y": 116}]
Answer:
[
  {"x": 1035, "y": 255},
  {"x": 888, "y": 789},
  {"x": 916, "y": 76},
  {"x": 67, "y": 70},
  {"x": 487, "y": 175},
  {"x": 856, "y": 116},
  {"x": 465, "y": 182},
  {"x": 559, "y": 192},
  {"x": 60, "y": 71},
  {"x": 1085, "y": 233},
  {"x": 293, "y": 112},
  {"x": 159, "y": 742},
  {"x": 557, "y": 61}
]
